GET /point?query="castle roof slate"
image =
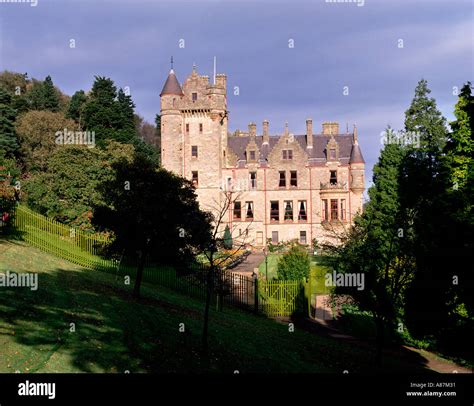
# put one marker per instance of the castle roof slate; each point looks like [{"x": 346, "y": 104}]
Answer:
[
  {"x": 172, "y": 85},
  {"x": 316, "y": 154}
]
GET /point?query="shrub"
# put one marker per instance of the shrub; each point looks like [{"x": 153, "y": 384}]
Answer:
[
  {"x": 227, "y": 238},
  {"x": 294, "y": 264}
]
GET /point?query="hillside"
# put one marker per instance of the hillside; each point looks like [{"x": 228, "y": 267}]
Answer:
[{"x": 115, "y": 333}]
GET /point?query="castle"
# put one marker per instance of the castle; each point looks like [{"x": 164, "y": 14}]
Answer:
[{"x": 283, "y": 187}]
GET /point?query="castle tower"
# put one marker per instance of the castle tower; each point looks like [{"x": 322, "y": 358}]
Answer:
[
  {"x": 194, "y": 132},
  {"x": 171, "y": 125},
  {"x": 357, "y": 170}
]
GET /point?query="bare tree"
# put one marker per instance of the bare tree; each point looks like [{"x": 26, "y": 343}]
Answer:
[{"x": 214, "y": 277}]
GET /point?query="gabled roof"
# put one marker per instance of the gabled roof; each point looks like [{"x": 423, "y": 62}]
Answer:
[{"x": 172, "y": 85}]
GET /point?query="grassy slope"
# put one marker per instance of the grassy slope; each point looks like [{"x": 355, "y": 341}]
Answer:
[{"x": 115, "y": 333}]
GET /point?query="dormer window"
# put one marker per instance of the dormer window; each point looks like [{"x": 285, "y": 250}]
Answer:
[
  {"x": 332, "y": 154},
  {"x": 333, "y": 177},
  {"x": 287, "y": 154},
  {"x": 194, "y": 96},
  {"x": 252, "y": 155}
]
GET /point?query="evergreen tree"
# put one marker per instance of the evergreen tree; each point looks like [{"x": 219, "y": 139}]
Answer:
[
  {"x": 227, "y": 238},
  {"x": 50, "y": 95},
  {"x": 8, "y": 140},
  {"x": 460, "y": 147},
  {"x": 76, "y": 105}
]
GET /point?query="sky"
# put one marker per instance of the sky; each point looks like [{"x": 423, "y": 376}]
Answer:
[{"x": 351, "y": 62}]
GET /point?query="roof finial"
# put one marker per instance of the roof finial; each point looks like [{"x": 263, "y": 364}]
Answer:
[
  {"x": 347, "y": 127},
  {"x": 286, "y": 127},
  {"x": 214, "y": 70},
  {"x": 355, "y": 134},
  {"x": 194, "y": 67},
  {"x": 171, "y": 62}
]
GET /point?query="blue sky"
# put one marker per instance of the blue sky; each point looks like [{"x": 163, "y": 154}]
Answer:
[{"x": 335, "y": 45}]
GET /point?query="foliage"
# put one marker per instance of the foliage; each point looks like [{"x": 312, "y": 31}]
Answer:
[
  {"x": 8, "y": 141},
  {"x": 152, "y": 213},
  {"x": 67, "y": 189},
  {"x": 227, "y": 238},
  {"x": 76, "y": 106},
  {"x": 294, "y": 264},
  {"x": 36, "y": 132},
  {"x": 9, "y": 175}
]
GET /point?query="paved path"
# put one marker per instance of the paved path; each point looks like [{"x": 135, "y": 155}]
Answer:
[{"x": 251, "y": 262}]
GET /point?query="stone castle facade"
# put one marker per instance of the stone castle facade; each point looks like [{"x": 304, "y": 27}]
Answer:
[{"x": 283, "y": 187}]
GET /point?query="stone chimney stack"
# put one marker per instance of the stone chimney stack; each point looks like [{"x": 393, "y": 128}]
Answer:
[
  {"x": 330, "y": 128},
  {"x": 252, "y": 129},
  {"x": 309, "y": 133},
  {"x": 266, "y": 136}
]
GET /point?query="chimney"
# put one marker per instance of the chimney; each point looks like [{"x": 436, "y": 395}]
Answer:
[
  {"x": 309, "y": 133},
  {"x": 252, "y": 129},
  {"x": 266, "y": 136},
  {"x": 330, "y": 128}
]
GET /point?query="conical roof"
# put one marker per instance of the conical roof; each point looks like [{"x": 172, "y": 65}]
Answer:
[
  {"x": 172, "y": 85},
  {"x": 356, "y": 154}
]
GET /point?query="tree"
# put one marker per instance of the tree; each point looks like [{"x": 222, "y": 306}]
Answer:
[
  {"x": 378, "y": 247},
  {"x": 295, "y": 264},
  {"x": 227, "y": 238},
  {"x": 153, "y": 214},
  {"x": 67, "y": 188},
  {"x": 36, "y": 132},
  {"x": 76, "y": 106},
  {"x": 212, "y": 277},
  {"x": 9, "y": 190},
  {"x": 8, "y": 140},
  {"x": 50, "y": 95}
]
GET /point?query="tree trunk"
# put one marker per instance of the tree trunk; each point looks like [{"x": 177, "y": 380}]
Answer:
[
  {"x": 379, "y": 340},
  {"x": 138, "y": 280},
  {"x": 209, "y": 290}
]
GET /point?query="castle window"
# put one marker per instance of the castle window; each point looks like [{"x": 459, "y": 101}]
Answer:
[
  {"x": 275, "y": 237},
  {"x": 302, "y": 237},
  {"x": 343, "y": 209},
  {"x": 287, "y": 154},
  {"x": 282, "y": 179},
  {"x": 194, "y": 151},
  {"x": 187, "y": 128},
  {"x": 324, "y": 209},
  {"x": 288, "y": 210},
  {"x": 249, "y": 211},
  {"x": 334, "y": 209},
  {"x": 253, "y": 180},
  {"x": 332, "y": 154},
  {"x": 333, "y": 177},
  {"x": 194, "y": 97},
  {"x": 274, "y": 211},
  {"x": 200, "y": 128},
  {"x": 195, "y": 178},
  {"x": 237, "y": 212},
  {"x": 302, "y": 216},
  {"x": 293, "y": 179}
]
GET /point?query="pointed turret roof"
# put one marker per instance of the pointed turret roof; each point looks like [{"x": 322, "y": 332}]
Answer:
[
  {"x": 172, "y": 85},
  {"x": 356, "y": 153}
]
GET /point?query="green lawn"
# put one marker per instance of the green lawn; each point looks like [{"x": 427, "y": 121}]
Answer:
[
  {"x": 115, "y": 333},
  {"x": 317, "y": 272}
]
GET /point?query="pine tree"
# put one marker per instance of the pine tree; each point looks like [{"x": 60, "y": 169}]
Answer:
[
  {"x": 227, "y": 238},
  {"x": 50, "y": 95},
  {"x": 8, "y": 140}
]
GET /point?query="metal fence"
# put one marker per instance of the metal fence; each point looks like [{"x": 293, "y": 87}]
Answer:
[{"x": 272, "y": 298}]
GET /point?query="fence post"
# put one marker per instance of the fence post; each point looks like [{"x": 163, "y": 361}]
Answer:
[{"x": 255, "y": 284}]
